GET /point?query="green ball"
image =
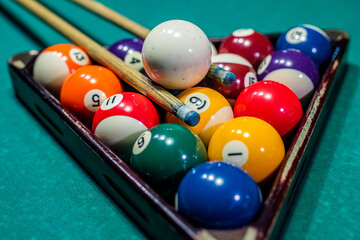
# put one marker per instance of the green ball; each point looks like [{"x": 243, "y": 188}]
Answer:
[{"x": 163, "y": 155}]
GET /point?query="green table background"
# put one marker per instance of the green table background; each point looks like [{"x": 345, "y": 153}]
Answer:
[{"x": 44, "y": 194}]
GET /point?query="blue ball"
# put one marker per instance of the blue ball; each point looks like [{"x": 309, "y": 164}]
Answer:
[
  {"x": 218, "y": 195},
  {"x": 308, "y": 39}
]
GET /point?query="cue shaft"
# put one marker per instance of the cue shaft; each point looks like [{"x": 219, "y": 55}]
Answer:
[
  {"x": 106, "y": 58},
  {"x": 114, "y": 17},
  {"x": 215, "y": 72}
]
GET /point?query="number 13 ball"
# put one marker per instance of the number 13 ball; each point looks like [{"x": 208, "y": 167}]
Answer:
[
  {"x": 176, "y": 54},
  {"x": 56, "y": 63}
]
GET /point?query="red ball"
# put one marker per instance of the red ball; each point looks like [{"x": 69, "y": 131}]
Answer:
[
  {"x": 122, "y": 118},
  {"x": 272, "y": 102},
  {"x": 249, "y": 44}
]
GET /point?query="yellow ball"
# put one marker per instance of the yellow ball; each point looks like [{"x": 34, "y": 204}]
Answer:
[
  {"x": 212, "y": 107},
  {"x": 249, "y": 143}
]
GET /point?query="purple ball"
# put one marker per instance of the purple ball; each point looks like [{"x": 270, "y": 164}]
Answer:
[
  {"x": 291, "y": 59},
  {"x": 129, "y": 50}
]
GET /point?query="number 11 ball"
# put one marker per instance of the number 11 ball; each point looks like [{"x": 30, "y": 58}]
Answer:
[
  {"x": 120, "y": 120},
  {"x": 176, "y": 54}
]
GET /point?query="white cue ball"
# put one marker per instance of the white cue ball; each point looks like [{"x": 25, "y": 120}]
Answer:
[{"x": 176, "y": 54}]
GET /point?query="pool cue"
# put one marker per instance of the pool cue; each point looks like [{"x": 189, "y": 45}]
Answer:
[
  {"x": 215, "y": 72},
  {"x": 109, "y": 60}
]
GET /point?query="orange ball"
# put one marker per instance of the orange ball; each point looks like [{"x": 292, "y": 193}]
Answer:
[
  {"x": 55, "y": 63},
  {"x": 83, "y": 91}
]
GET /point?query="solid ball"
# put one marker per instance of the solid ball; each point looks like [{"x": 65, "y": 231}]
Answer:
[
  {"x": 176, "y": 54},
  {"x": 212, "y": 107},
  {"x": 164, "y": 154},
  {"x": 121, "y": 119},
  {"x": 245, "y": 75},
  {"x": 129, "y": 50},
  {"x": 217, "y": 195},
  {"x": 84, "y": 91},
  {"x": 55, "y": 63},
  {"x": 293, "y": 69},
  {"x": 310, "y": 40},
  {"x": 272, "y": 102},
  {"x": 249, "y": 44},
  {"x": 248, "y": 143}
]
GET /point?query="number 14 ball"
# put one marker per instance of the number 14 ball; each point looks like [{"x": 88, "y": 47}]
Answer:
[{"x": 176, "y": 54}]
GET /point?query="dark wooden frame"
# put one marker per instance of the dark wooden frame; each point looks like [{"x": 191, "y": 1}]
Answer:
[{"x": 144, "y": 206}]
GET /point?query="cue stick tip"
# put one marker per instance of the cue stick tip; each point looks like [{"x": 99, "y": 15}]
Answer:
[
  {"x": 221, "y": 75},
  {"x": 188, "y": 115}
]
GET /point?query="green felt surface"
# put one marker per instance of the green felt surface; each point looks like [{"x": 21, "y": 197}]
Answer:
[{"x": 44, "y": 194}]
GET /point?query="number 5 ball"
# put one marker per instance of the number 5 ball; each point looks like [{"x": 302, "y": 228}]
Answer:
[
  {"x": 176, "y": 54},
  {"x": 249, "y": 143},
  {"x": 83, "y": 91}
]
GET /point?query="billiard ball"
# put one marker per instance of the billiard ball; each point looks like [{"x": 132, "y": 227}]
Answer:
[
  {"x": 84, "y": 90},
  {"x": 218, "y": 195},
  {"x": 213, "y": 49},
  {"x": 248, "y": 43},
  {"x": 293, "y": 69},
  {"x": 164, "y": 154},
  {"x": 272, "y": 102},
  {"x": 248, "y": 143},
  {"x": 309, "y": 39},
  {"x": 129, "y": 50},
  {"x": 176, "y": 54},
  {"x": 55, "y": 63},
  {"x": 212, "y": 107},
  {"x": 121, "y": 119},
  {"x": 245, "y": 75}
]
